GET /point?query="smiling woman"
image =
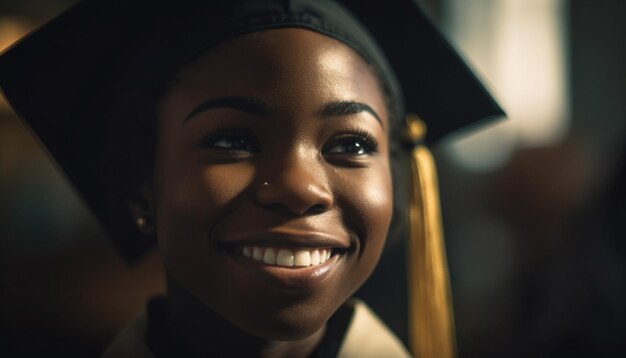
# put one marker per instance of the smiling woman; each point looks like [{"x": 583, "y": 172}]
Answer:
[
  {"x": 211, "y": 169},
  {"x": 254, "y": 142}
]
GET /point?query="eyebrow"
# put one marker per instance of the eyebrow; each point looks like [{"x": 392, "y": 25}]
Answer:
[
  {"x": 259, "y": 108},
  {"x": 345, "y": 108},
  {"x": 251, "y": 105}
]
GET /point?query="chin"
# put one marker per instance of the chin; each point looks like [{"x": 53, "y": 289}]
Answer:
[{"x": 288, "y": 323}]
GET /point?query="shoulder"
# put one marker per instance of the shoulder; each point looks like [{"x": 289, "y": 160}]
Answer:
[{"x": 368, "y": 336}]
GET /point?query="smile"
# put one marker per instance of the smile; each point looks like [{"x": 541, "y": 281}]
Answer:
[
  {"x": 302, "y": 257},
  {"x": 287, "y": 259}
]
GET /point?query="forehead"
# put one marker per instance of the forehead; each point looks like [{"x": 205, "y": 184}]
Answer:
[{"x": 294, "y": 67}]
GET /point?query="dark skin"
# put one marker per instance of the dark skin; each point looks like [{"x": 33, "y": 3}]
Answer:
[{"x": 277, "y": 139}]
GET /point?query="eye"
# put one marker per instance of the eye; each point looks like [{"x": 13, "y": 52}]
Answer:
[
  {"x": 352, "y": 144},
  {"x": 234, "y": 141}
]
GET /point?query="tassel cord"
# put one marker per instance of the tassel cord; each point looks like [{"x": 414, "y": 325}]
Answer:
[{"x": 431, "y": 322}]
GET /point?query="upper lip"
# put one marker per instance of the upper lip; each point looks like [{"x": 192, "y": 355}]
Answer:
[{"x": 290, "y": 239}]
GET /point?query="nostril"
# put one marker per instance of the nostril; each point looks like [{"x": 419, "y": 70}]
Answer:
[
  {"x": 317, "y": 209},
  {"x": 297, "y": 194},
  {"x": 277, "y": 207}
]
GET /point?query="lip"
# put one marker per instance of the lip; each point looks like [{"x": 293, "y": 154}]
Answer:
[
  {"x": 290, "y": 239},
  {"x": 302, "y": 278}
]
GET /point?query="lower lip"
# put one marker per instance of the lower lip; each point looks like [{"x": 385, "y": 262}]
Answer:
[{"x": 293, "y": 277}]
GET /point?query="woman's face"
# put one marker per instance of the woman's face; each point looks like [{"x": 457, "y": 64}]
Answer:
[{"x": 273, "y": 154}]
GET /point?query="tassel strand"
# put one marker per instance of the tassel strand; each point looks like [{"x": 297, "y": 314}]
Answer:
[{"x": 431, "y": 322}]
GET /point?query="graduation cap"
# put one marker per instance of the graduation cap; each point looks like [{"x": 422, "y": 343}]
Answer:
[{"x": 66, "y": 78}]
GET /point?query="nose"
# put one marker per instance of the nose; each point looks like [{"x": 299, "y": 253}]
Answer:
[{"x": 295, "y": 187}]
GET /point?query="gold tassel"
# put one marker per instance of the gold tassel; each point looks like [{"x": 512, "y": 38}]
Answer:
[{"x": 431, "y": 321}]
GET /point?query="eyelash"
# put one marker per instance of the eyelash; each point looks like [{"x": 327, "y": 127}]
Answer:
[
  {"x": 369, "y": 145},
  {"x": 232, "y": 134}
]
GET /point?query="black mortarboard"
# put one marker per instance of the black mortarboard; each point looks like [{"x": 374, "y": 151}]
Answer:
[{"x": 63, "y": 78}]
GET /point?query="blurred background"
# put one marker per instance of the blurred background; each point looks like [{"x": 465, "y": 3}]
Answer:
[{"x": 534, "y": 206}]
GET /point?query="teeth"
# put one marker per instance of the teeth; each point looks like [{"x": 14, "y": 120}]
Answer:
[
  {"x": 247, "y": 252},
  {"x": 323, "y": 256},
  {"x": 315, "y": 257},
  {"x": 269, "y": 257},
  {"x": 257, "y": 254},
  {"x": 302, "y": 258},
  {"x": 287, "y": 258},
  {"x": 284, "y": 258}
]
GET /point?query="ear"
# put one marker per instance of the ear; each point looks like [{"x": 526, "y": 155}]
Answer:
[{"x": 142, "y": 209}]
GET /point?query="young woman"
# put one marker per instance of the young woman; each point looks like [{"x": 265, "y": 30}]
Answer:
[{"x": 253, "y": 141}]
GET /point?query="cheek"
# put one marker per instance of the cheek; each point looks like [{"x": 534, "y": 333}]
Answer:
[
  {"x": 377, "y": 206},
  {"x": 368, "y": 206},
  {"x": 191, "y": 198}
]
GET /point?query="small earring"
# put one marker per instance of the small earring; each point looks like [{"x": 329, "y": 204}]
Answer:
[
  {"x": 141, "y": 222},
  {"x": 266, "y": 184}
]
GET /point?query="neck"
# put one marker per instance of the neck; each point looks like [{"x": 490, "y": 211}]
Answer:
[{"x": 203, "y": 332}]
